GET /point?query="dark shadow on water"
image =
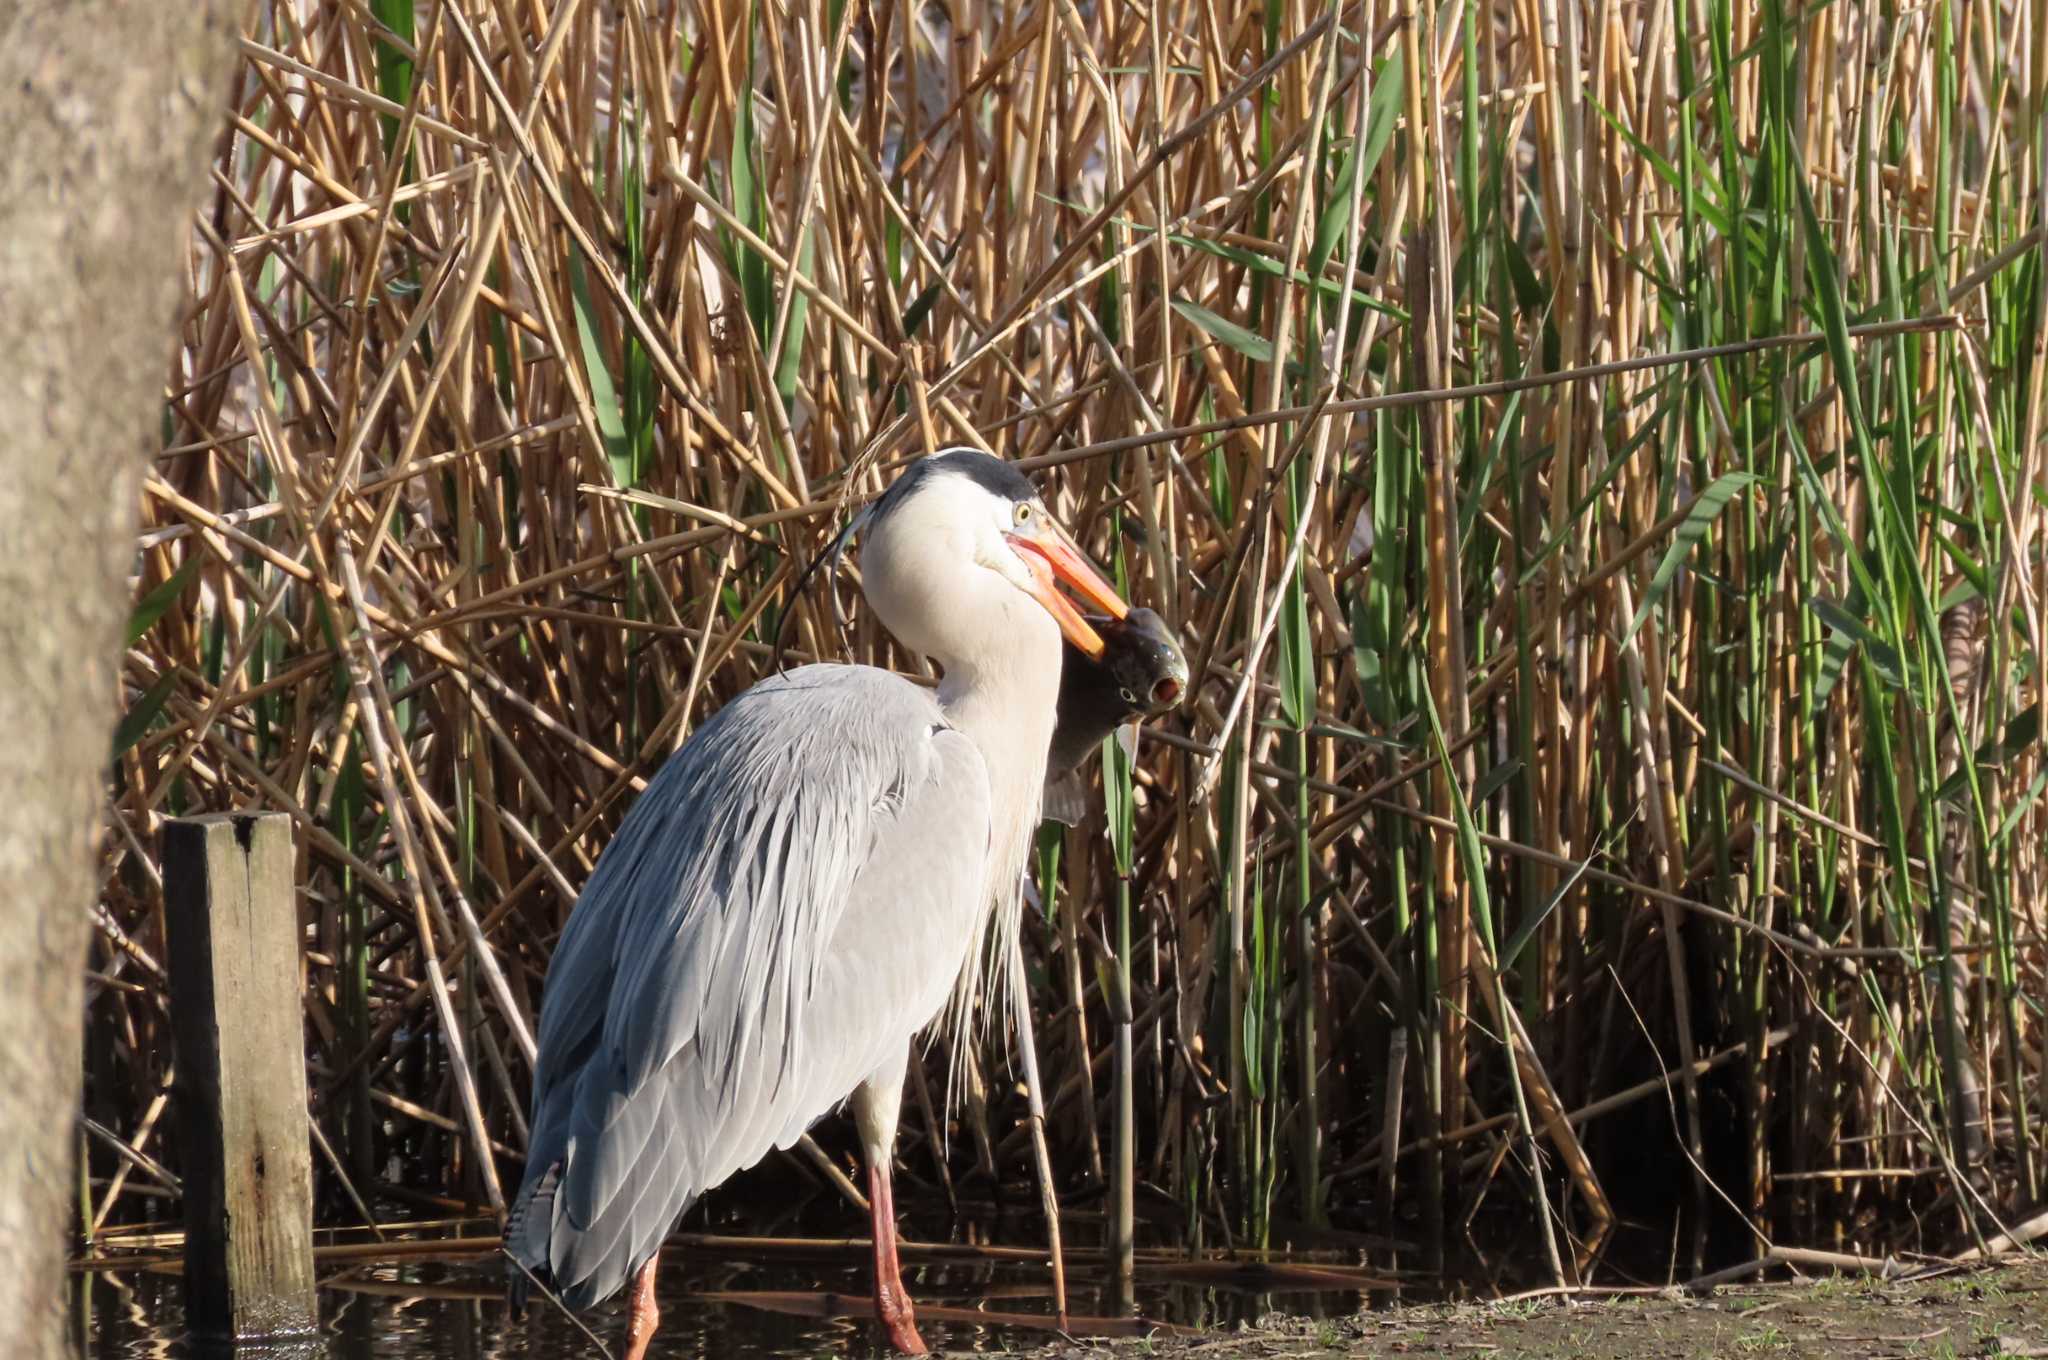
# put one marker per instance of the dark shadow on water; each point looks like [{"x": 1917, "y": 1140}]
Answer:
[{"x": 455, "y": 1310}]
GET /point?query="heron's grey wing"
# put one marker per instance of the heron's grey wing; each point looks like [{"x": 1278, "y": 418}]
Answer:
[
  {"x": 699, "y": 1002},
  {"x": 917, "y": 907}
]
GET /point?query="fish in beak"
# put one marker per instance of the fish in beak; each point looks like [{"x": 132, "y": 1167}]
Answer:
[{"x": 1053, "y": 560}]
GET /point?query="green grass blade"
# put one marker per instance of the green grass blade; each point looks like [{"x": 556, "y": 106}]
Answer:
[
  {"x": 1705, "y": 510},
  {"x": 1245, "y": 342},
  {"x": 151, "y": 607},
  {"x": 136, "y": 720},
  {"x": 604, "y": 397}
]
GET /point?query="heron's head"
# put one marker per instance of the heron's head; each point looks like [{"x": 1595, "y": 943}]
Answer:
[{"x": 959, "y": 537}]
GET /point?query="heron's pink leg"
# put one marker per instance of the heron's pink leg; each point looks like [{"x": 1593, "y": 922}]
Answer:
[
  {"x": 642, "y": 1314},
  {"x": 892, "y": 1300}
]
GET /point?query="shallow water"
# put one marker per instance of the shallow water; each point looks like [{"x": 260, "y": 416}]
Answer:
[{"x": 774, "y": 1301}]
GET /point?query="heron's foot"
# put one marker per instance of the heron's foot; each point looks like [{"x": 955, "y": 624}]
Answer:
[
  {"x": 643, "y": 1315},
  {"x": 892, "y": 1306},
  {"x": 903, "y": 1336}
]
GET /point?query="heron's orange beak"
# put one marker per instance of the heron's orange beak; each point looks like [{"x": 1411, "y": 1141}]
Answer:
[{"x": 1053, "y": 558}]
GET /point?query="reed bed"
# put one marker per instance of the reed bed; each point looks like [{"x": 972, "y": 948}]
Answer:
[{"x": 1591, "y": 451}]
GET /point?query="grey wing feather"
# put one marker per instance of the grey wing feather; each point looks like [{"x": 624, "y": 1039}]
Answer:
[{"x": 787, "y": 903}]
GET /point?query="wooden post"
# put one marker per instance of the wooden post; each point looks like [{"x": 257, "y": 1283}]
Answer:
[{"x": 241, "y": 1092}]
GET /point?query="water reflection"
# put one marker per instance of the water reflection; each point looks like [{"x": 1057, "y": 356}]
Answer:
[{"x": 722, "y": 1302}]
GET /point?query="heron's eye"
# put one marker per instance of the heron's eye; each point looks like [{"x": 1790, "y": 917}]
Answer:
[{"x": 1022, "y": 514}]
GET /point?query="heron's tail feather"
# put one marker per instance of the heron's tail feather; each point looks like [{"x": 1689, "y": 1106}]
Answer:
[
  {"x": 610, "y": 1177},
  {"x": 527, "y": 1228}
]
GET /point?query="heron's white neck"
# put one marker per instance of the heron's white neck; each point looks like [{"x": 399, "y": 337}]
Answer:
[
  {"x": 1002, "y": 691},
  {"x": 1004, "y": 694}
]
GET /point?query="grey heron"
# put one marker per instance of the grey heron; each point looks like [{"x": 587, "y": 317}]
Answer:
[{"x": 798, "y": 891}]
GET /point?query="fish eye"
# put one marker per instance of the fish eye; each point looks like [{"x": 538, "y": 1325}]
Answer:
[
  {"x": 1022, "y": 515},
  {"x": 1126, "y": 695}
]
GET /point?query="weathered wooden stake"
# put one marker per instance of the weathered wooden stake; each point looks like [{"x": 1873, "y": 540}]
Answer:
[{"x": 241, "y": 1092}]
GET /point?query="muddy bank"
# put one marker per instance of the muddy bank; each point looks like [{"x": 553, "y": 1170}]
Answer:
[{"x": 2001, "y": 1311}]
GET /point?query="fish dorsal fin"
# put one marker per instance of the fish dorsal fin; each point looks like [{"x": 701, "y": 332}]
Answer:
[{"x": 1066, "y": 799}]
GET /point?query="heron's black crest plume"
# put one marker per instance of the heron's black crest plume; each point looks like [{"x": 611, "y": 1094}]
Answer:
[
  {"x": 1000, "y": 479},
  {"x": 990, "y": 473},
  {"x": 831, "y": 552}
]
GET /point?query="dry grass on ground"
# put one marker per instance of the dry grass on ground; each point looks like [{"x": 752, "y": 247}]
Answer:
[{"x": 1982, "y": 1313}]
